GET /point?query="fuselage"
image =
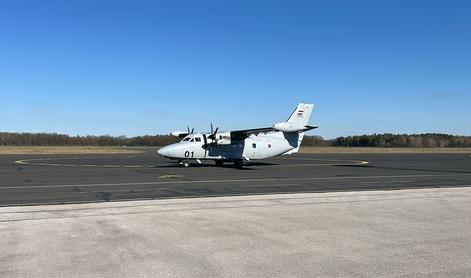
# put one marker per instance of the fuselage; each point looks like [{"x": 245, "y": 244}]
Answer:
[{"x": 254, "y": 147}]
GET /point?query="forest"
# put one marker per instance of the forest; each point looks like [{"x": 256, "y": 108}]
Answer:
[{"x": 429, "y": 140}]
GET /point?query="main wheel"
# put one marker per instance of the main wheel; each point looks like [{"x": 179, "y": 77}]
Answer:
[
  {"x": 219, "y": 163},
  {"x": 238, "y": 163},
  {"x": 186, "y": 164}
]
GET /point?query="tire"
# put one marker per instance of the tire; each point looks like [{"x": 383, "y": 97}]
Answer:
[
  {"x": 219, "y": 163},
  {"x": 186, "y": 164},
  {"x": 238, "y": 163}
]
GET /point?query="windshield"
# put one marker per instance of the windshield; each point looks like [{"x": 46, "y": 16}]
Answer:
[{"x": 186, "y": 139}]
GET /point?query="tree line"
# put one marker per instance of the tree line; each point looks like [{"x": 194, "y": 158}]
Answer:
[
  {"x": 54, "y": 139},
  {"x": 429, "y": 140}
]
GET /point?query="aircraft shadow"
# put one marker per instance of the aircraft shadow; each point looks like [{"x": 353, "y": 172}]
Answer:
[{"x": 228, "y": 165}]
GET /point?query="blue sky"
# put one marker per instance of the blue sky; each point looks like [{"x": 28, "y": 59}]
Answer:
[{"x": 152, "y": 67}]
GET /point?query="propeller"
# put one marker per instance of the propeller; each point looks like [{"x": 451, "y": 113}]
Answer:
[
  {"x": 212, "y": 136},
  {"x": 192, "y": 130}
]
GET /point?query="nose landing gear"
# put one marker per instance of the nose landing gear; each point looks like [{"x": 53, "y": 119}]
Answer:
[{"x": 184, "y": 163}]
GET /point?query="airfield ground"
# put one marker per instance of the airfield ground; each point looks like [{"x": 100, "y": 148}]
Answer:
[
  {"x": 66, "y": 178},
  {"x": 316, "y": 214}
]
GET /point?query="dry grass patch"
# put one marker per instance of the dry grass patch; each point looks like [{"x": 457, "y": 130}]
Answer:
[
  {"x": 65, "y": 150},
  {"x": 381, "y": 150}
]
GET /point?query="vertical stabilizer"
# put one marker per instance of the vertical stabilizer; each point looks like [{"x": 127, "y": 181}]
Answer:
[
  {"x": 300, "y": 117},
  {"x": 301, "y": 114}
]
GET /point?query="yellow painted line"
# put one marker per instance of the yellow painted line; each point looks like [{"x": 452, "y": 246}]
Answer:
[
  {"x": 332, "y": 163},
  {"x": 341, "y": 162}
]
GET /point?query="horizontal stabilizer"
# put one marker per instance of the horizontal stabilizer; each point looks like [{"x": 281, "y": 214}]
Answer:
[{"x": 309, "y": 127}]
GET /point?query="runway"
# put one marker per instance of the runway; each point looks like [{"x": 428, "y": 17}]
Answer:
[{"x": 61, "y": 179}]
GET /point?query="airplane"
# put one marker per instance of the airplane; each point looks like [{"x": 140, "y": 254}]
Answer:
[{"x": 283, "y": 138}]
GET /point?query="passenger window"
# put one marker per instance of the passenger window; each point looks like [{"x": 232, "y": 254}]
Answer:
[
  {"x": 197, "y": 139},
  {"x": 254, "y": 145}
]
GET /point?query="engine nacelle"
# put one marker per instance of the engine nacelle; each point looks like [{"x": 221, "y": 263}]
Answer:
[
  {"x": 223, "y": 138},
  {"x": 288, "y": 127},
  {"x": 179, "y": 133}
]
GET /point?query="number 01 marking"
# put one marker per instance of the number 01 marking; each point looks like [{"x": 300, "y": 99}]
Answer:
[{"x": 187, "y": 154}]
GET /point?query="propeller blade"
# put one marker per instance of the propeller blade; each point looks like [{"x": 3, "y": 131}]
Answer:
[
  {"x": 192, "y": 130},
  {"x": 211, "y": 128}
]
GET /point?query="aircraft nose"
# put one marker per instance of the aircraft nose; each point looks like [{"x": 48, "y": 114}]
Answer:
[{"x": 163, "y": 151}]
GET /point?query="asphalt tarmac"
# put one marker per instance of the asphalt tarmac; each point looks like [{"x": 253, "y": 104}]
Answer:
[{"x": 61, "y": 179}]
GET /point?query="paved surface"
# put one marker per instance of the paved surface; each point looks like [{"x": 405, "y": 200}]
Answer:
[
  {"x": 417, "y": 233},
  {"x": 56, "y": 179}
]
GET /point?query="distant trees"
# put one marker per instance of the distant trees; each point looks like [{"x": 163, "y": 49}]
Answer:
[
  {"x": 53, "y": 139},
  {"x": 429, "y": 140}
]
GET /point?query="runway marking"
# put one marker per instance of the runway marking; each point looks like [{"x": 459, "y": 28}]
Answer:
[
  {"x": 231, "y": 180},
  {"x": 343, "y": 162},
  {"x": 369, "y": 182},
  {"x": 31, "y": 162},
  {"x": 170, "y": 176}
]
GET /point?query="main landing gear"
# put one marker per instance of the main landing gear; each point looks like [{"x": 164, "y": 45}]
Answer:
[{"x": 238, "y": 163}]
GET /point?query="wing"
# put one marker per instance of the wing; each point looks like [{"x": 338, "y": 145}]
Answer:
[
  {"x": 249, "y": 132},
  {"x": 242, "y": 134}
]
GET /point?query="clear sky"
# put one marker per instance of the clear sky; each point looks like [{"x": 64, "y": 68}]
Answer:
[{"x": 152, "y": 67}]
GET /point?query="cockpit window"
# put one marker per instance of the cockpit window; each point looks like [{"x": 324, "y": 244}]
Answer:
[
  {"x": 186, "y": 139},
  {"x": 192, "y": 139},
  {"x": 197, "y": 139}
]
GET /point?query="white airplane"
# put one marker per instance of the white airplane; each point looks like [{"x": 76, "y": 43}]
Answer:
[{"x": 241, "y": 145}]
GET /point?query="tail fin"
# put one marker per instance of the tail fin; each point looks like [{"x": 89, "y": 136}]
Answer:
[
  {"x": 300, "y": 117},
  {"x": 301, "y": 114}
]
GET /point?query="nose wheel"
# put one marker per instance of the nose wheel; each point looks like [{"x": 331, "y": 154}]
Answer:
[{"x": 184, "y": 163}]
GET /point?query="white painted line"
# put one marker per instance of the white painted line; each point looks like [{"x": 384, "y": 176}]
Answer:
[
  {"x": 369, "y": 182},
  {"x": 396, "y": 181},
  {"x": 233, "y": 180}
]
